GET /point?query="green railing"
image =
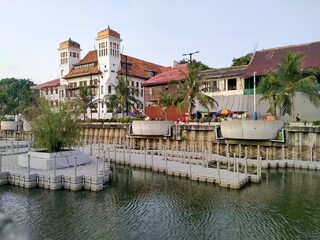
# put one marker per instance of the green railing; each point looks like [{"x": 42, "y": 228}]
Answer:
[{"x": 248, "y": 91}]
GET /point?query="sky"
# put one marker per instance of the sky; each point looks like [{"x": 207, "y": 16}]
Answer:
[{"x": 159, "y": 31}]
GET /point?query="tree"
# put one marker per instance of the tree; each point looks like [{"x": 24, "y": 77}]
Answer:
[
  {"x": 192, "y": 89},
  {"x": 165, "y": 101},
  {"x": 244, "y": 60},
  {"x": 84, "y": 100},
  {"x": 195, "y": 63},
  {"x": 55, "y": 129},
  {"x": 124, "y": 96},
  {"x": 269, "y": 88},
  {"x": 15, "y": 95},
  {"x": 280, "y": 87},
  {"x": 292, "y": 79}
]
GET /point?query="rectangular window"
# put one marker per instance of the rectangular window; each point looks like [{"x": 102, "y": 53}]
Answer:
[
  {"x": 101, "y": 90},
  {"x": 141, "y": 92},
  {"x": 109, "y": 89},
  {"x": 232, "y": 84},
  {"x": 56, "y": 91},
  {"x": 137, "y": 84}
]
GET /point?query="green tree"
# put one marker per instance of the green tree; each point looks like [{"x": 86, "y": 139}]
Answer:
[
  {"x": 269, "y": 87},
  {"x": 165, "y": 101},
  {"x": 55, "y": 129},
  {"x": 124, "y": 96},
  {"x": 15, "y": 95},
  {"x": 84, "y": 100},
  {"x": 244, "y": 60},
  {"x": 280, "y": 88},
  {"x": 192, "y": 89},
  {"x": 292, "y": 79},
  {"x": 195, "y": 63}
]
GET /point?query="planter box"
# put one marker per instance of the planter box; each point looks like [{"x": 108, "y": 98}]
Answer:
[
  {"x": 151, "y": 128},
  {"x": 250, "y": 129},
  {"x": 44, "y": 161},
  {"x": 9, "y": 125}
]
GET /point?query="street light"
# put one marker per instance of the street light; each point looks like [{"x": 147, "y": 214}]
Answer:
[
  {"x": 190, "y": 54},
  {"x": 255, "y": 117}
]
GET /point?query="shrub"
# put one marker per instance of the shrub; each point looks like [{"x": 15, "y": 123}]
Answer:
[
  {"x": 316, "y": 123},
  {"x": 55, "y": 129}
]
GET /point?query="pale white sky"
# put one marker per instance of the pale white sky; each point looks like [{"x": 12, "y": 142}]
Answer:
[{"x": 159, "y": 31}]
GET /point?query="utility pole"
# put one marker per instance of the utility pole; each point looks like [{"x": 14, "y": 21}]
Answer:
[
  {"x": 190, "y": 55},
  {"x": 127, "y": 87}
]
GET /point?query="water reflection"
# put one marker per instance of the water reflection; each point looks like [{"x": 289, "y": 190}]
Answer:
[{"x": 139, "y": 204}]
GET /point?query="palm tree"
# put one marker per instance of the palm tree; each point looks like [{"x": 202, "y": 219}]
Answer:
[
  {"x": 84, "y": 100},
  {"x": 192, "y": 89},
  {"x": 165, "y": 101},
  {"x": 292, "y": 79},
  {"x": 124, "y": 96},
  {"x": 269, "y": 87}
]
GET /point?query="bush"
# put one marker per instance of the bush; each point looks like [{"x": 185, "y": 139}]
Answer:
[
  {"x": 55, "y": 129},
  {"x": 316, "y": 123}
]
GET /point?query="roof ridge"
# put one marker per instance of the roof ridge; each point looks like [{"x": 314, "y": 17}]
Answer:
[{"x": 288, "y": 46}]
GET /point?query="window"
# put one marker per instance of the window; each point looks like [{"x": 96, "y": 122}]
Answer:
[
  {"x": 101, "y": 90},
  {"x": 109, "y": 89},
  {"x": 141, "y": 92},
  {"x": 56, "y": 91},
  {"x": 232, "y": 84},
  {"x": 151, "y": 91},
  {"x": 137, "y": 84},
  {"x": 103, "y": 50}
]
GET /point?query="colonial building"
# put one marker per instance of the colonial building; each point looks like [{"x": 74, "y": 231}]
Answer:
[
  {"x": 163, "y": 82},
  {"x": 98, "y": 70},
  {"x": 232, "y": 87}
]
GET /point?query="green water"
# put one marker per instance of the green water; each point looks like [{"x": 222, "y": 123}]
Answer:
[{"x": 145, "y": 205}]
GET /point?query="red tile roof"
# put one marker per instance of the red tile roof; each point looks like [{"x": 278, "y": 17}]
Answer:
[
  {"x": 136, "y": 67},
  {"x": 108, "y": 32},
  {"x": 69, "y": 43},
  {"x": 176, "y": 73},
  {"x": 225, "y": 72},
  {"x": 52, "y": 83},
  {"x": 87, "y": 66},
  {"x": 266, "y": 61},
  {"x": 139, "y": 68}
]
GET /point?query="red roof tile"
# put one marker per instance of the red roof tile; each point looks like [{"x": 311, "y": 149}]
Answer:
[
  {"x": 69, "y": 43},
  {"x": 176, "y": 73},
  {"x": 87, "y": 66},
  {"x": 51, "y": 83},
  {"x": 139, "y": 68},
  {"x": 266, "y": 61}
]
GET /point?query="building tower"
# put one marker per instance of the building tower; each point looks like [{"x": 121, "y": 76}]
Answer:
[
  {"x": 69, "y": 55},
  {"x": 108, "y": 54}
]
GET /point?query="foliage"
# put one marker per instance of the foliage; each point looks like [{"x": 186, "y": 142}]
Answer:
[
  {"x": 198, "y": 64},
  {"x": 165, "y": 101},
  {"x": 316, "y": 123},
  {"x": 244, "y": 60},
  {"x": 15, "y": 95},
  {"x": 280, "y": 88},
  {"x": 84, "y": 100},
  {"x": 55, "y": 130},
  {"x": 269, "y": 88},
  {"x": 192, "y": 90},
  {"x": 123, "y": 98}
]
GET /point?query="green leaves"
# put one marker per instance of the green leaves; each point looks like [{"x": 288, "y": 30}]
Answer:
[{"x": 57, "y": 129}]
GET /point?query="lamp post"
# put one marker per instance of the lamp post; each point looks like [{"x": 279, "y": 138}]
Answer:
[{"x": 255, "y": 117}]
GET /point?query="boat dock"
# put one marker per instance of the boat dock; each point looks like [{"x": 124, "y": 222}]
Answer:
[{"x": 205, "y": 166}]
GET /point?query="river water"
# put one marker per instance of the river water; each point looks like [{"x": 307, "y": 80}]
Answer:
[{"x": 139, "y": 204}]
